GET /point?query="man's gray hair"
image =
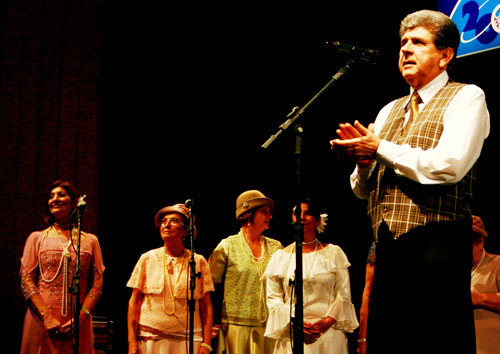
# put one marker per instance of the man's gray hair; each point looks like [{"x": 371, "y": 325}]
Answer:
[{"x": 445, "y": 32}]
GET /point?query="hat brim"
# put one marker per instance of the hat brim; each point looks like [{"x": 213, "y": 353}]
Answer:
[
  {"x": 169, "y": 210},
  {"x": 479, "y": 231}
]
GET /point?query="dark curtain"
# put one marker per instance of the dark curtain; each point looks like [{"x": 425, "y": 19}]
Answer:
[{"x": 49, "y": 130}]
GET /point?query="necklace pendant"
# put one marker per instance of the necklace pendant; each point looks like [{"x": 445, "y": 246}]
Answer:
[{"x": 66, "y": 254}]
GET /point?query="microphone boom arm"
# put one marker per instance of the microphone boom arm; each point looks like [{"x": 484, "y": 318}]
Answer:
[{"x": 297, "y": 112}]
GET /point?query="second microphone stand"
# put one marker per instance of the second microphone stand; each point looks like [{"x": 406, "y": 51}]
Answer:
[
  {"x": 192, "y": 277},
  {"x": 75, "y": 289},
  {"x": 298, "y": 233},
  {"x": 298, "y": 320}
]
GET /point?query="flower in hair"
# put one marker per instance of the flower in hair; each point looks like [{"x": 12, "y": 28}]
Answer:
[{"x": 322, "y": 223}]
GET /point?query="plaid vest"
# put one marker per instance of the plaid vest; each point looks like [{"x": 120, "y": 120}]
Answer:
[{"x": 402, "y": 203}]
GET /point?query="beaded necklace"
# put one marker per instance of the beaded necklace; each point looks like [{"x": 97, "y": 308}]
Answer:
[
  {"x": 249, "y": 250},
  {"x": 314, "y": 256},
  {"x": 478, "y": 264},
  {"x": 64, "y": 263},
  {"x": 309, "y": 242},
  {"x": 257, "y": 262},
  {"x": 171, "y": 287}
]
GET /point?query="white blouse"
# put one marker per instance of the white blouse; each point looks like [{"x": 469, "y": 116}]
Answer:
[{"x": 327, "y": 292}]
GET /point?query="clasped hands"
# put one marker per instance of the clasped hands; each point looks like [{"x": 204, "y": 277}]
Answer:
[
  {"x": 312, "y": 331},
  {"x": 356, "y": 142},
  {"x": 61, "y": 331}
]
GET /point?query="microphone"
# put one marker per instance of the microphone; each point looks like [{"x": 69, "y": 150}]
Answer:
[
  {"x": 368, "y": 55},
  {"x": 191, "y": 228},
  {"x": 82, "y": 204}
]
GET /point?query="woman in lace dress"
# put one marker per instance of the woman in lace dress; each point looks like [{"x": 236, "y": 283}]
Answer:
[
  {"x": 328, "y": 311},
  {"x": 158, "y": 316},
  {"x": 47, "y": 268}
]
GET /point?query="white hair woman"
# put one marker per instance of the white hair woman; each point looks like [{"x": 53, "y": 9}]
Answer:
[{"x": 157, "y": 317}]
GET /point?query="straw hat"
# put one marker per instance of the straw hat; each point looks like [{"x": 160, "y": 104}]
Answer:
[
  {"x": 478, "y": 226},
  {"x": 250, "y": 200}
]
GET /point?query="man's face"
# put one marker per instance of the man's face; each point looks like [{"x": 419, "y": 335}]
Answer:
[{"x": 419, "y": 59}]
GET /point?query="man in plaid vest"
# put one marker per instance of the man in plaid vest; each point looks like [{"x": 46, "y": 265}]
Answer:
[{"x": 415, "y": 165}]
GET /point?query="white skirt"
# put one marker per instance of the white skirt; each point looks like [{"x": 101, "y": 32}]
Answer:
[
  {"x": 168, "y": 346},
  {"x": 332, "y": 341}
]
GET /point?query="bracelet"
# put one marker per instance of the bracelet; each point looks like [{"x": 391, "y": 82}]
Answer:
[
  {"x": 205, "y": 345},
  {"x": 361, "y": 340},
  {"x": 85, "y": 311}
]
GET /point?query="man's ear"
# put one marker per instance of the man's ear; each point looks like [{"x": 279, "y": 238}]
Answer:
[{"x": 447, "y": 55}]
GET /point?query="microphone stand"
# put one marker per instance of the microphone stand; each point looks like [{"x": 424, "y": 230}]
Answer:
[
  {"x": 192, "y": 277},
  {"x": 76, "y": 281},
  {"x": 298, "y": 227}
]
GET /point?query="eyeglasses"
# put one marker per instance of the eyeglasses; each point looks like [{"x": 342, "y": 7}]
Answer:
[{"x": 174, "y": 221}]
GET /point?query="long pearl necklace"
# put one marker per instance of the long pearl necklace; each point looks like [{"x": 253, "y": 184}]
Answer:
[
  {"x": 262, "y": 309},
  {"x": 64, "y": 263},
  {"x": 171, "y": 287},
  {"x": 478, "y": 264},
  {"x": 248, "y": 249}
]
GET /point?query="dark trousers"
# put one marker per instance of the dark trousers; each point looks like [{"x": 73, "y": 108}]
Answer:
[{"x": 422, "y": 301}]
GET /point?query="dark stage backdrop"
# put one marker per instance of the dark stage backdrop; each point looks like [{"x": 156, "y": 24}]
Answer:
[
  {"x": 50, "y": 115},
  {"x": 143, "y": 106}
]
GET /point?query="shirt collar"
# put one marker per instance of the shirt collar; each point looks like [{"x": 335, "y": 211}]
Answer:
[{"x": 429, "y": 90}]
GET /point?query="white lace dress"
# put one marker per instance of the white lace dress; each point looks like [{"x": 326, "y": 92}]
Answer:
[{"x": 327, "y": 292}]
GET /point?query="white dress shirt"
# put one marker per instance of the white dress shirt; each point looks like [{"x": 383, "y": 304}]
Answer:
[{"x": 466, "y": 123}]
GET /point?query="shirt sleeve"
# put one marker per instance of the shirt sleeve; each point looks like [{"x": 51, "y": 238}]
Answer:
[
  {"x": 206, "y": 276},
  {"x": 341, "y": 308},
  {"x": 29, "y": 260},
  {"x": 95, "y": 247},
  {"x": 278, "y": 302},
  {"x": 359, "y": 180},
  {"x": 218, "y": 262},
  {"x": 138, "y": 275}
]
